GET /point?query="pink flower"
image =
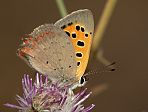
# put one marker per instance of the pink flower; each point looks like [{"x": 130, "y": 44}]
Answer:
[{"x": 44, "y": 96}]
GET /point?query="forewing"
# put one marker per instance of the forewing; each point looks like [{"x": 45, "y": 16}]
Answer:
[{"x": 79, "y": 25}]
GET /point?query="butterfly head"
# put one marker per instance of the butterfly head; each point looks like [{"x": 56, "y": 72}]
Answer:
[{"x": 72, "y": 82}]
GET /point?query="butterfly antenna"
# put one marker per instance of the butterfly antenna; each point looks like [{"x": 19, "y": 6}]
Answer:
[
  {"x": 111, "y": 66},
  {"x": 108, "y": 68}
]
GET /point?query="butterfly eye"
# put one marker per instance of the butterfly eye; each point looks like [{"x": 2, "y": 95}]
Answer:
[{"x": 82, "y": 80}]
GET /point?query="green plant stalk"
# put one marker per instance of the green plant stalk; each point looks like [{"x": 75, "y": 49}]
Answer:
[
  {"x": 102, "y": 59},
  {"x": 102, "y": 24},
  {"x": 61, "y": 7}
]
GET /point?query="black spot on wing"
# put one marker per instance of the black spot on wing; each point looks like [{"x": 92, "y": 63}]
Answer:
[
  {"x": 74, "y": 35},
  {"x": 67, "y": 33},
  {"x": 69, "y": 24},
  {"x": 77, "y": 27},
  {"x": 63, "y": 27},
  {"x": 78, "y": 63},
  {"x": 80, "y": 43},
  {"x": 86, "y": 35},
  {"x": 79, "y": 54},
  {"x": 82, "y": 29}
]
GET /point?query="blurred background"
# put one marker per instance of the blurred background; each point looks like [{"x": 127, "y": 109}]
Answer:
[{"x": 125, "y": 41}]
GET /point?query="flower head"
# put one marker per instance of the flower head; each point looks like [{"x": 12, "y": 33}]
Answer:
[{"x": 45, "y": 96}]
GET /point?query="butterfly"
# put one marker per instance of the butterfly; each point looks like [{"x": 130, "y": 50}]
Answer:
[{"x": 61, "y": 50}]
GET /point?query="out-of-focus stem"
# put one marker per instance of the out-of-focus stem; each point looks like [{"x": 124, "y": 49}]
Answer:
[
  {"x": 102, "y": 24},
  {"x": 99, "y": 89},
  {"x": 101, "y": 58},
  {"x": 61, "y": 7}
]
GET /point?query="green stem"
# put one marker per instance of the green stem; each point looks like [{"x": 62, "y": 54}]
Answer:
[
  {"x": 102, "y": 24},
  {"x": 61, "y": 7}
]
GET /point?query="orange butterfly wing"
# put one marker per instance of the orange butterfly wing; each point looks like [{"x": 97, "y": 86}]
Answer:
[{"x": 79, "y": 26}]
